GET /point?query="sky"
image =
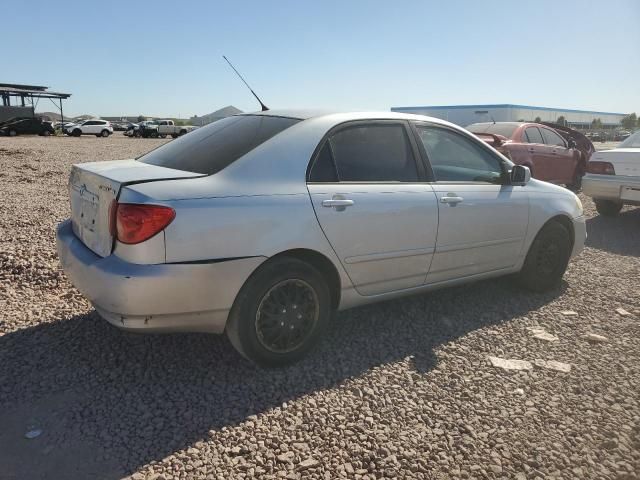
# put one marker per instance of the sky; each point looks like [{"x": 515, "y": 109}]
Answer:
[{"x": 125, "y": 58}]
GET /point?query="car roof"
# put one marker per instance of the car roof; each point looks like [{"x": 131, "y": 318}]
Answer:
[{"x": 342, "y": 116}]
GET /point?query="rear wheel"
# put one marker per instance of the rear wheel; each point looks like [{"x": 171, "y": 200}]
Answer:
[
  {"x": 547, "y": 259},
  {"x": 104, "y": 133},
  {"x": 12, "y": 133},
  {"x": 608, "y": 208},
  {"x": 174, "y": 135},
  {"x": 164, "y": 135},
  {"x": 46, "y": 133},
  {"x": 280, "y": 313}
]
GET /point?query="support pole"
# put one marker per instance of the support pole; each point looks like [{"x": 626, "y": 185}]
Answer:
[{"x": 61, "y": 117}]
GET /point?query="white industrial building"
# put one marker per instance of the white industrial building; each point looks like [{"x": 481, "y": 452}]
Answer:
[{"x": 464, "y": 115}]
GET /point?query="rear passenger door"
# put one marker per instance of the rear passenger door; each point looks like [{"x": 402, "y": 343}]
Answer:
[
  {"x": 483, "y": 219},
  {"x": 374, "y": 205}
]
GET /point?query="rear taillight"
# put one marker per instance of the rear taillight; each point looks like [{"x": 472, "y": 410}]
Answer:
[
  {"x": 601, "y": 168},
  {"x": 135, "y": 223}
]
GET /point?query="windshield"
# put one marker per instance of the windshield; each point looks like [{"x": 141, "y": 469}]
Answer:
[
  {"x": 632, "y": 142},
  {"x": 504, "y": 129},
  {"x": 213, "y": 147}
]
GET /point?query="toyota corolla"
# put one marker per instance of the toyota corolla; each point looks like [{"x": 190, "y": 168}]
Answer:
[{"x": 263, "y": 225}]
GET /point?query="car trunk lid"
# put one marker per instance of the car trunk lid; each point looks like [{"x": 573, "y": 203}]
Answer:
[
  {"x": 625, "y": 161},
  {"x": 93, "y": 188}
]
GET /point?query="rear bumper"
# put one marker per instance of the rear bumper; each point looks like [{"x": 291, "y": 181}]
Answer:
[
  {"x": 612, "y": 187},
  {"x": 159, "y": 298}
]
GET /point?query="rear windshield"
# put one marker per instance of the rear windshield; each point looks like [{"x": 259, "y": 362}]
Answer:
[
  {"x": 632, "y": 142},
  {"x": 211, "y": 148},
  {"x": 506, "y": 130}
]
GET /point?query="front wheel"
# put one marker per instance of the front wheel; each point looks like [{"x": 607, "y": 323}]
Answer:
[
  {"x": 280, "y": 313},
  {"x": 163, "y": 135},
  {"x": 77, "y": 132},
  {"x": 174, "y": 135},
  {"x": 547, "y": 259},
  {"x": 608, "y": 208},
  {"x": 12, "y": 133}
]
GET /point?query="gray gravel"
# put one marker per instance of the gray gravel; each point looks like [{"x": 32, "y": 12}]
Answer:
[{"x": 400, "y": 389}]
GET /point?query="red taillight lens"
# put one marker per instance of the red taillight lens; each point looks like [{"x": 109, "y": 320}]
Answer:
[
  {"x": 601, "y": 168},
  {"x": 137, "y": 223}
]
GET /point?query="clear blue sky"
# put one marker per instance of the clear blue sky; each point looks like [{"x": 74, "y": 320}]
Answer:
[{"x": 164, "y": 58}]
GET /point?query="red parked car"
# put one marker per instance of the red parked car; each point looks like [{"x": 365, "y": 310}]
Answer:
[{"x": 552, "y": 152}]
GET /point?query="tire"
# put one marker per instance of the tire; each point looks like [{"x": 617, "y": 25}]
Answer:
[
  {"x": 46, "y": 133},
  {"x": 576, "y": 185},
  {"x": 77, "y": 132},
  {"x": 153, "y": 134},
  {"x": 164, "y": 135},
  {"x": 547, "y": 259},
  {"x": 104, "y": 133},
  {"x": 608, "y": 208},
  {"x": 183, "y": 132},
  {"x": 137, "y": 134},
  {"x": 174, "y": 135},
  {"x": 12, "y": 133},
  {"x": 282, "y": 283}
]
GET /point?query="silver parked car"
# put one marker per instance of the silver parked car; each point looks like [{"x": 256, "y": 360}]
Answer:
[{"x": 262, "y": 225}]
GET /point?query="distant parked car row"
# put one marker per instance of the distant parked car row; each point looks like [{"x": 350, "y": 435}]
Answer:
[{"x": 158, "y": 129}]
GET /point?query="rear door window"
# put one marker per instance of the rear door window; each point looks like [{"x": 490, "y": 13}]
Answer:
[
  {"x": 211, "y": 148},
  {"x": 532, "y": 134},
  {"x": 373, "y": 153}
]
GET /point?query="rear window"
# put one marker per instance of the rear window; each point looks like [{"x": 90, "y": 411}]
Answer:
[
  {"x": 209, "y": 149},
  {"x": 506, "y": 130}
]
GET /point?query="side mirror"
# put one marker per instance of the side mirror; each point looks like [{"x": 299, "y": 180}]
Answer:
[
  {"x": 572, "y": 143},
  {"x": 520, "y": 175}
]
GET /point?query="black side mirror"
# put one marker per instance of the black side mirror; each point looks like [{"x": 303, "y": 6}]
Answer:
[
  {"x": 572, "y": 143},
  {"x": 520, "y": 175}
]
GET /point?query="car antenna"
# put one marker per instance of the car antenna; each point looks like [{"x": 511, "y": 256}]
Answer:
[{"x": 264, "y": 107}]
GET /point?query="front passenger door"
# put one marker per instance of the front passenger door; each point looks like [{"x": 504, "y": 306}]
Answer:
[{"x": 483, "y": 220}]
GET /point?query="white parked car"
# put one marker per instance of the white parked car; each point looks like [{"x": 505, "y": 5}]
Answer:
[
  {"x": 99, "y": 128},
  {"x": 613, "y": 177},
  {"x": 262, "y": 225}
]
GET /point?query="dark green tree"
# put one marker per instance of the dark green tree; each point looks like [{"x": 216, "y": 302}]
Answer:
[
  {"x": 561, "y": 120},
  {"x": 537, "y": 120},
  {"x": 141, "y": 118},
  {"x": 629, "y": 121}
]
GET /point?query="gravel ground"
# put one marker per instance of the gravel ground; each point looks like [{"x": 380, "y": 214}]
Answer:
[{"x": 400, "y": 389}]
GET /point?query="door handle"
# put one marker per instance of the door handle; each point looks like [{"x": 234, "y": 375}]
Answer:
[
  {"x": 451, "y": 200},
  {"x": 338, "y": 203},
  {"x": 532, "y": 150}
]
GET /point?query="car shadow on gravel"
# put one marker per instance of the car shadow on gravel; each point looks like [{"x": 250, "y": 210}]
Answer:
[
  {"x": 619, "y": 235},
  {"x": 109, "y": 402}
]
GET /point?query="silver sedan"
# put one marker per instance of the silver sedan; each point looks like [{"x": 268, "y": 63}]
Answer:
[{"x": 262, "y": 225}]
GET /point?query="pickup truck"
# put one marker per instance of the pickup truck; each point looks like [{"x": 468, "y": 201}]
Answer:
[{"x": 168, "y": 127}]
